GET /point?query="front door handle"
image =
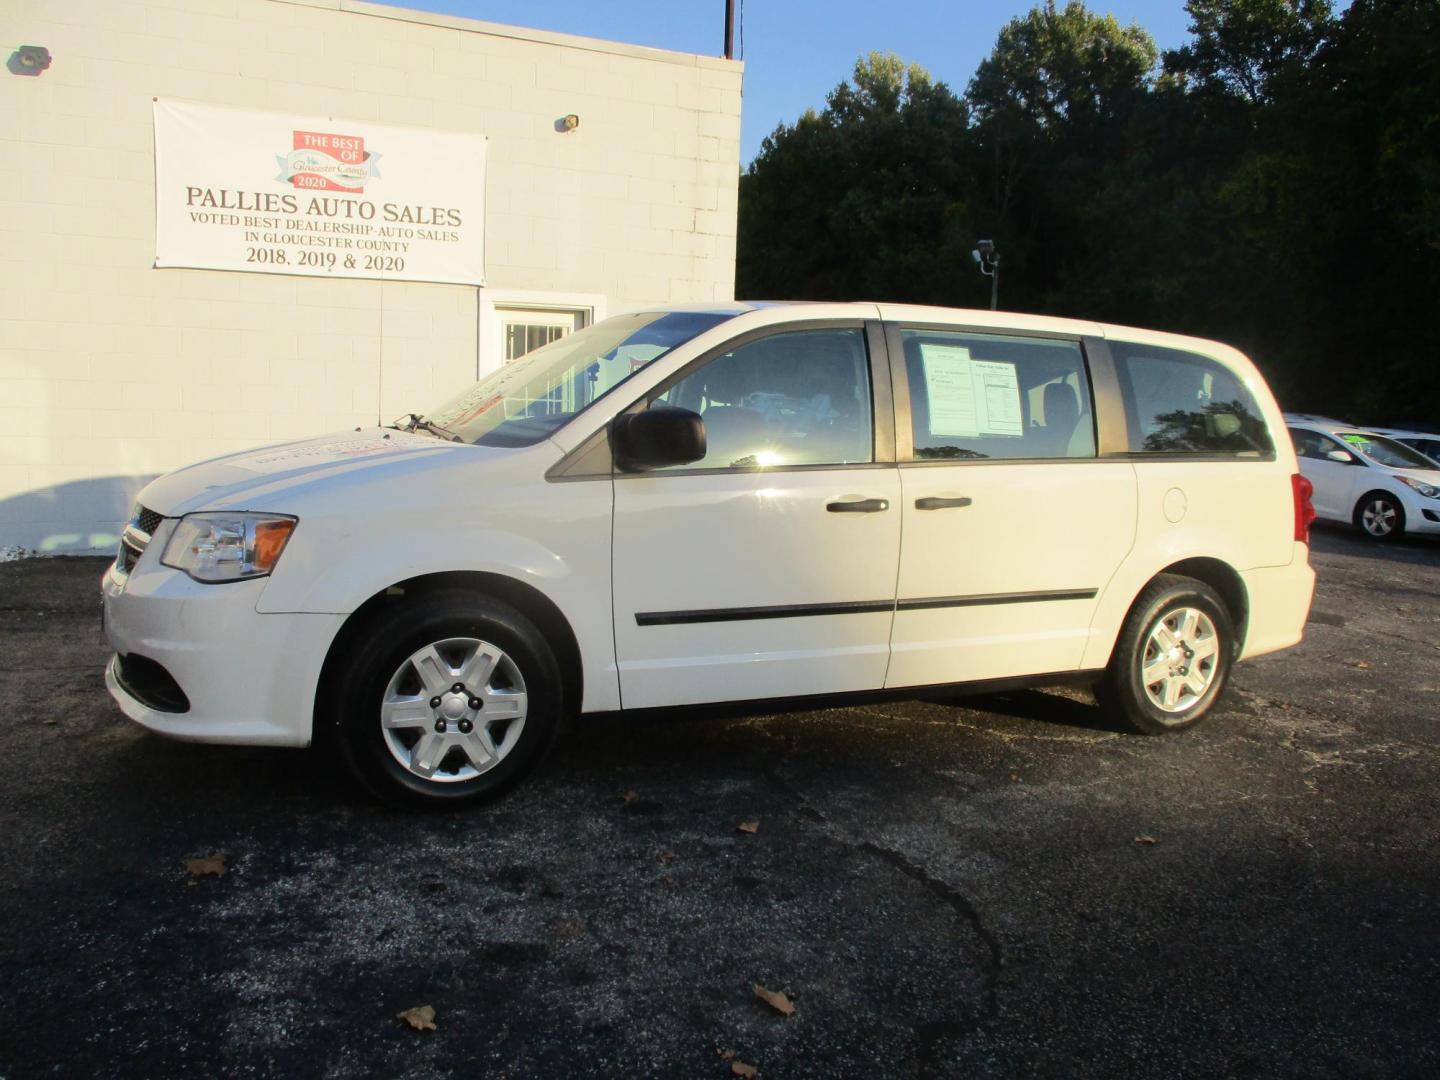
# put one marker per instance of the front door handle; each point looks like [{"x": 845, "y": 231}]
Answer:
[
  {"x": 855, "y": 505},
  {"x": 935, "y": 502}
]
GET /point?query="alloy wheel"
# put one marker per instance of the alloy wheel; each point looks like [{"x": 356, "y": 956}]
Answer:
[
  {"x": 1181, "y": 658},
  {"x": 453, "y": 709},
  {"x": 1378, "y": 518}
]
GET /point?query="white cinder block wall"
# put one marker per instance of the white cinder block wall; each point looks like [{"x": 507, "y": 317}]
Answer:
[{"x": 112, "y": 372}]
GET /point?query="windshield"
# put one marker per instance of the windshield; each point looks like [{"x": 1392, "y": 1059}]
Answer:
[
  {"x": 1388, "y": 452},
  {"x": 529, "y": 398}
]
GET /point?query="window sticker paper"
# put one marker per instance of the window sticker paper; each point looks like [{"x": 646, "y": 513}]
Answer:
[
  {"x": 970, "y": 398},
  {"x": 950, "y": 387}
]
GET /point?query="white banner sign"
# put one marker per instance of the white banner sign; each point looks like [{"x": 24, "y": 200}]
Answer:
[{"x": 280, "y": 194}]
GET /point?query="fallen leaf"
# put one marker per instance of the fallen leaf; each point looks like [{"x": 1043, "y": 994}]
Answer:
[
  {"x": 213, "y": 865},
  {"x": 748, "y": 827},
  {"x": 568, "y": 928},
  {"x": 1014, "y": 778},
  {"x": 739, "y": 1068},
  {"x": 1143, "y": 839},
  {"x": 1362, "y": 664},
  {"x": 775, "y": 999},
  {"x": 421, "y": 1017}
]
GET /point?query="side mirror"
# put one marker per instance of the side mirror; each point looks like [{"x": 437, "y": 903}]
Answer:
[
  {"x": 1342, "y": 456},
  {"x": 655, "y": 438}
]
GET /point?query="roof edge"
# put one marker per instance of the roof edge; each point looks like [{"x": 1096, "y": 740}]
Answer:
[{"x": 520, "y": 33}]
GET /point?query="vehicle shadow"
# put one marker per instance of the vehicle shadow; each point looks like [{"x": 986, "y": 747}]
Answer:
[
  {"x": 1063, "y": 707},
  {"x": 1329, "y": 538},
  {"x": 1056, "y": 708}
]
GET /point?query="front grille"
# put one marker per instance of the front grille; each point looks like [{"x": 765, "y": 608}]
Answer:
[
  {"x": 147, "y": 520},
  {"x": 150, "y": 684},
  {"x": 129, "y": 554}
]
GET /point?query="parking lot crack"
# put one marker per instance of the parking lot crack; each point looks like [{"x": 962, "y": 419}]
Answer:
[
  {"x": 1300, "y": 724},
  {"x": 1424, "y": 644},
  {"x": 992, "y": 959}
]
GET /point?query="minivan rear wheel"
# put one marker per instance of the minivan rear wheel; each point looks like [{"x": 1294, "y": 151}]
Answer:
[
  {"x": 1172, "y": 657},
  {"x": 449, "y": 698}
]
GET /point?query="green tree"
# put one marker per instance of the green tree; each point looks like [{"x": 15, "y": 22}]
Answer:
[
  {"x": 1244, "y": 47},
  {"x": 1064, "y": 71},
  {"x": 862, "y": 199},
  {"x": 1275, "y": 184},
  {"x": 1052, "y": 105}
]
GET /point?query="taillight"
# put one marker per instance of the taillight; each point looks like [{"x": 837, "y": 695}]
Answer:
[{"x": 1304, "y": 508}]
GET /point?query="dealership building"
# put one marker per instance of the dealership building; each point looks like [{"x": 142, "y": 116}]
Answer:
[{"x": 232, "y": 222}]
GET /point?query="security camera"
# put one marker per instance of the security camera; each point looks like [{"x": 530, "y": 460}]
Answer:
[
  {"x": 975, "y": 255},
  {"x": 985, "y": 247}
]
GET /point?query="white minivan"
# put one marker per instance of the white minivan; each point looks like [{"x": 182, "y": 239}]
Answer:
[{"x": 736, "y": 502}]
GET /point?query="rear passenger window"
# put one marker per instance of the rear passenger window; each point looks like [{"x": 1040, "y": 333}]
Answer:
[
  {"x": 1181, "y": 403},
  {"x": 983, "y": 396}
]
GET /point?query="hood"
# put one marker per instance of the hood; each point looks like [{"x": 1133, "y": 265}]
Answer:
[
  {"x": 1425, "y": 476},
  {"x": 265, "y": 477}
]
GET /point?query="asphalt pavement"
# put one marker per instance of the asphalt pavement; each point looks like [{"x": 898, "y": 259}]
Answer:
[{"x": 981, "y": 887}]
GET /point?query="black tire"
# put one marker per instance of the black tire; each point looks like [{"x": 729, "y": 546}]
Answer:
[
  {"x": 1379, "y": 510},
  {"x": 1122, "y": 692},
  {"x": 382, "y": 646}
]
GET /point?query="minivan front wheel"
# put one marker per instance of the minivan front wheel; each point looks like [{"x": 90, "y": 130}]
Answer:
[
  {"x": 1380, "y": 516},
  {"x": 449, "y": 698},
  {"x": 1172, "y": 657}
]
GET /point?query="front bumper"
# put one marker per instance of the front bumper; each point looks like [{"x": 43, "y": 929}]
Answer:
[
  {"x": 248, "y": 678},
  {"x": 1423, "y": 516}
]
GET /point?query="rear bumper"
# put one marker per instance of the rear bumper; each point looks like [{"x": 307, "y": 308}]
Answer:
[
  {"x": 247, "y": 678},
  {"x": 1279, "y": 604}
]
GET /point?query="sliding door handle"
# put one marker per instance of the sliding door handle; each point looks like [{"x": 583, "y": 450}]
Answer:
[
  {"x": 935, "y": 502},
  {"x": 858, "y": 506}
]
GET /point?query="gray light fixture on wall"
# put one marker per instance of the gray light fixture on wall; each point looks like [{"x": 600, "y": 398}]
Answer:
[
  {"x": 29, "y": 60},
  {"x": 569, "y": 122}
]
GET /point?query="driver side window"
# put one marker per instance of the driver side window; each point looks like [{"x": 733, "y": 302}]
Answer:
[
  {"x": 1317, "y": 446},
  {"x": 801, "y": 398}
]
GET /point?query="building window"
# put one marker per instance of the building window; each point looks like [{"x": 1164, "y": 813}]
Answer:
[
  {"x": 523, "y": 330},
  {"x": 521, "y": 337}
]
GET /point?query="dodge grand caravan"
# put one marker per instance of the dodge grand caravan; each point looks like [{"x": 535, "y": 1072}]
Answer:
[{"x": 725, "y": 503}]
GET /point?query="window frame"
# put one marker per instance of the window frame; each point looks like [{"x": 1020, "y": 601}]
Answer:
[
  {"x": 1100, "y": 379},
  {"x": 1335, "y": 444},
  {"x": 1125, "y": 404},
  {"x": 882, "y": 412}
]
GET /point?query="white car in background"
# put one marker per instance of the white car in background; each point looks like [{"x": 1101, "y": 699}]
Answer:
[{"x": 1379, "y": 484}]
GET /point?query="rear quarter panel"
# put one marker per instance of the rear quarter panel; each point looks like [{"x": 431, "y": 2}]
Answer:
[{"x": 1239, "y": 511}]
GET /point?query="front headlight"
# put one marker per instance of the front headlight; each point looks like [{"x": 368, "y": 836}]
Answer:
[
  {"x": 1428, "y": 490},
  {"x": 223, "y": 546}
]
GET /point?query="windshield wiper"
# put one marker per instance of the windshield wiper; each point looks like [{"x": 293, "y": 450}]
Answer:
[{"x": 411, "y": 421}]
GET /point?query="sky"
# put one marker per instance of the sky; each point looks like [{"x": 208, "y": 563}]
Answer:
[{"x": 797, "y": 51}]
